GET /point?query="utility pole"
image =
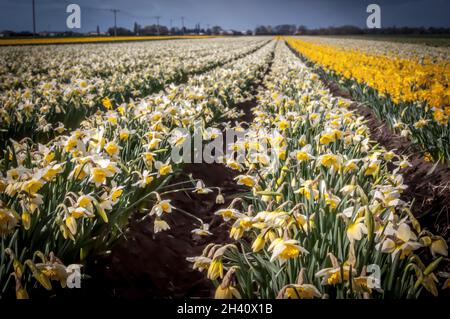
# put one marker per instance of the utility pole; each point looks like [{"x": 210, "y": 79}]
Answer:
[
  {"x": 115, "y": 20},
  {"x": 34, "y": 19},
  {"x": 170, "y": 30},
  {"x": 182, "y": 24},
  {"x": 157, "y": 23}
]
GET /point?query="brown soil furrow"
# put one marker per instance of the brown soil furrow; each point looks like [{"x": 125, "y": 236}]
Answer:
[{"x": 154, "y": 265}]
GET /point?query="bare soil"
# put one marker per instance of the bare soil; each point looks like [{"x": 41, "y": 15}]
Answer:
[{"x": 148, "y": 265}]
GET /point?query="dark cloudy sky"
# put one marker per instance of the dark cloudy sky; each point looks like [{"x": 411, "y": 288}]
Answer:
[{"x": 230, "y": 14}]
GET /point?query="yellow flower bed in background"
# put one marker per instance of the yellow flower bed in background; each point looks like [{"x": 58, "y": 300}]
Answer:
[
  {"x": 94, "y": 39},
  {"x": 405, "y": 80}
]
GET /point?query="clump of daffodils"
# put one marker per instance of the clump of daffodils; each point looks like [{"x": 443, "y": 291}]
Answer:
[{"x": 404, "y": 83}]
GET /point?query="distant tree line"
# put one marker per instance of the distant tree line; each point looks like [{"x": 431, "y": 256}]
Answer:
[
  {"x": 137, "y": 29},
  {"x": 155, "y": 29},
  {"x": 282, "y": 29},
  {"x": 291, "y": 29}
]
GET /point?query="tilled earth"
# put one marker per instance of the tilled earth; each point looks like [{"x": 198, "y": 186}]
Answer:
[{"x": 148, "y": 265}]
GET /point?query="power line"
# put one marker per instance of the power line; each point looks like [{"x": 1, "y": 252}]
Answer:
[
  {"x": 115, "y": 12},
  {"x": 138, "y": 16},
  {"x": 123, "y": 12}
]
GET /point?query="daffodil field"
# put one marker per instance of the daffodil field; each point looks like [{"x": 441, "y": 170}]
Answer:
[
  {"x": 406, "y": 85},
  {"x": 88, "y": 133},
  {"x": 54, "y": 89},
  {"x": 71, "y": 196},
  {"x": 313, "y": 225}
]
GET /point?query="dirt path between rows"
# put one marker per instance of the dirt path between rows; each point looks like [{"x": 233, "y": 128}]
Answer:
[{"x": 148, "y": 265}]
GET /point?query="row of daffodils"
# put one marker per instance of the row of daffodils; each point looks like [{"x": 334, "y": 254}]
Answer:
[
  {"x": 324, "y": 217},
  {"x": 68, "y": 200},
  {"x": 406, "y": 86},
  {"x": 74, "y": 40},
  {"x": 48, "y": 89}
]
